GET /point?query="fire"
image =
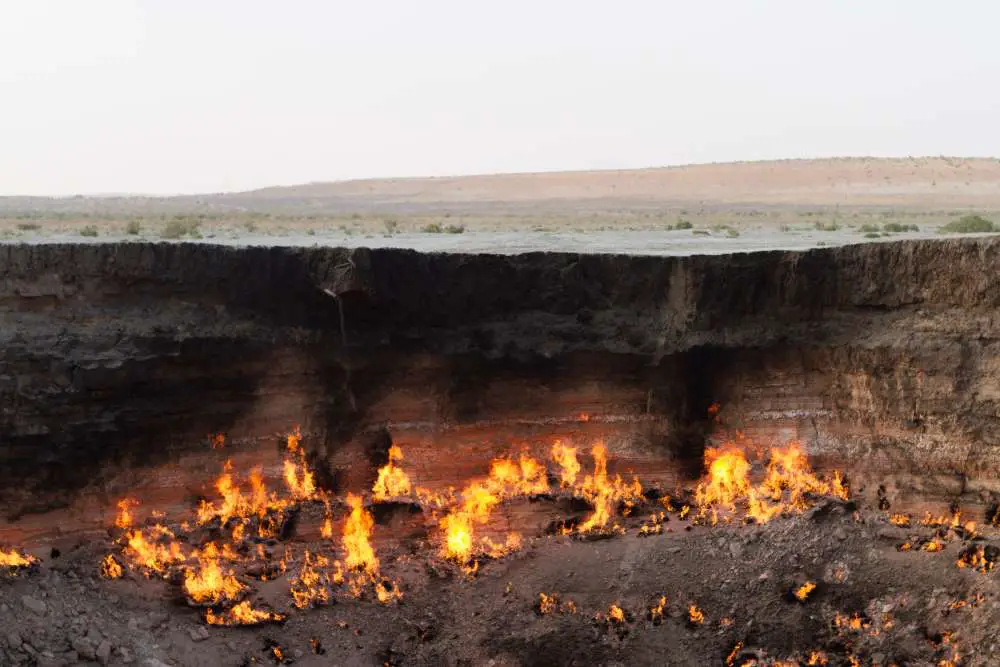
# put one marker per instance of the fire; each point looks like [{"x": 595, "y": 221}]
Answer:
[
  {"x": 547, "y": 604},
  {"x": 524, "y": 477},
  {"x": 392, "y": 481},
  {"x": 299, "y": 479},
  {"x": 616, "y": 614},
  {"x": 13, "y": 559},
  {"x": 695, "y": 615},
  {"x": 603, "y": 493},
  {"x": 654, "y": 526},
  {"x": 243, "y": 614},
  {"x": 803, "y": 592},
  {"x": 735, "y": 653},
  {"x": 357, "y": 529},
  {"x": 786, "y": 486},
  {"x": 111, "y": 568},
  {"x": 125, "y": 518},
  {"x": 656, "y": 614},
  {"x": 975, "y": 558},
  {"x": 728, "y": 478},
  {"x": 312, "y": 585},
  {"x": 817, "y": 659},
  {"x": 149, "y": 553},
  {"x": 569, "y": 467},
  {"x": 934, "y": 545},
  {"x": 208, "y": 584},
  {"x": 899, "y": 519}
]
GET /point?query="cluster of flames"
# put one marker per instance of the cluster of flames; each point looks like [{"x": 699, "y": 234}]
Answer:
[
  {"x": 243, "y": 519},
  {"x": 787, "y": 485},
  {"x": 246, "y": 514}
]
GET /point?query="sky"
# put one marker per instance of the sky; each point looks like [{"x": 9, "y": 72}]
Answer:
[{"x": 184, "y": 96}]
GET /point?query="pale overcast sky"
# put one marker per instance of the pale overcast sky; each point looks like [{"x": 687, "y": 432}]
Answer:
[{"x": 169, "y": 96}]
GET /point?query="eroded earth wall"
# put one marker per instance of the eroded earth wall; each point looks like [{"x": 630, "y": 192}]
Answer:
[{"x": 117, "y": 361}]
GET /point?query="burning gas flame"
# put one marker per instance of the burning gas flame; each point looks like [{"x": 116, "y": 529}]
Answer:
[
  {"x": 11, "y": 558},
  {"x": 565, "y": 457},
  {"x": 208, "y": 584},
  {"x": 124, "y": 519},
  {"x": 392, "y": 481},
  {"x": 603, "y": 493},
  {"x": 299, "y": 479},
  {"x": 803, "y": 592},
  {"x": 547, "y": 604},
  {"x": 657, "y": 612},
  {"x": 695, "y": 615},
  {"x": 785, "y": 487},
  {"x": 111, "y": 568},
  {"x": 243, "y": 614},
  {"x": 357, "y": 529},
  {"x": 312, "y": 585},
  {"x": 899, "y": 519}
]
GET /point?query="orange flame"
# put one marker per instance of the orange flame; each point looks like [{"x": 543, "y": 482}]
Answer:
[
  {"x": 299, "y": 479},
  {"x": 125, "y": 518},
  {"x": 786, "y": 485},
  {"x": 569, "y": 466},
  {"x": 208, "y": 583},
  {"x": 603, "y": 493},
  {"x": 695, "y": 615},
  {"x": 392, "y": 481},
  {"x": 12, "y": 558},
  {"x": 242, "y": 614},
  {"x": 803, "y": 592},
  {"x": 111, "y": 568}
]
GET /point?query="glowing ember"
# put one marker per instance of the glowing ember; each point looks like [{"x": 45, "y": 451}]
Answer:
[
  {"x": 111, "y": 568},
  {"x": 243, "y": 614},
  {"x": 654, "y": 526},
  {"x": 392, "y": 481}
]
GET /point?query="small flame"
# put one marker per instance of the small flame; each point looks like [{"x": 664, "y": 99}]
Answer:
[
  {"x": 392, "y": 481},
  {"x": 111, "y": 568},
  {"x": 124, "y": 519},
  {"x": 735, "y": 653},
  {"x": 803, "y": 592},
  {"x": 695, "y": 615},
  {"x": 900, "y": 519},
  {"x": 616, "y": 614},
  {"x": 357, "y": 529},
  {"x": 569, "y": 467},
  {"x": 243, "y": 614},
  {"x": 603, "y": 492},
  {"x": 656, "y": 613}
]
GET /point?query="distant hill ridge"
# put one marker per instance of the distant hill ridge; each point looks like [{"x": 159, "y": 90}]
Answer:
[{"x": 914, "y": 182}]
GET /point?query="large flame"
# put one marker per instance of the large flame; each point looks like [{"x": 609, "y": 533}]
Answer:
[
  {"x": 604, "y": 493},
  {"x": 359, "y": 554},
  {"x": 208, "y": 583},
  {"x": 786, "y": 487},
  {"x": 12, "y": 558}
]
